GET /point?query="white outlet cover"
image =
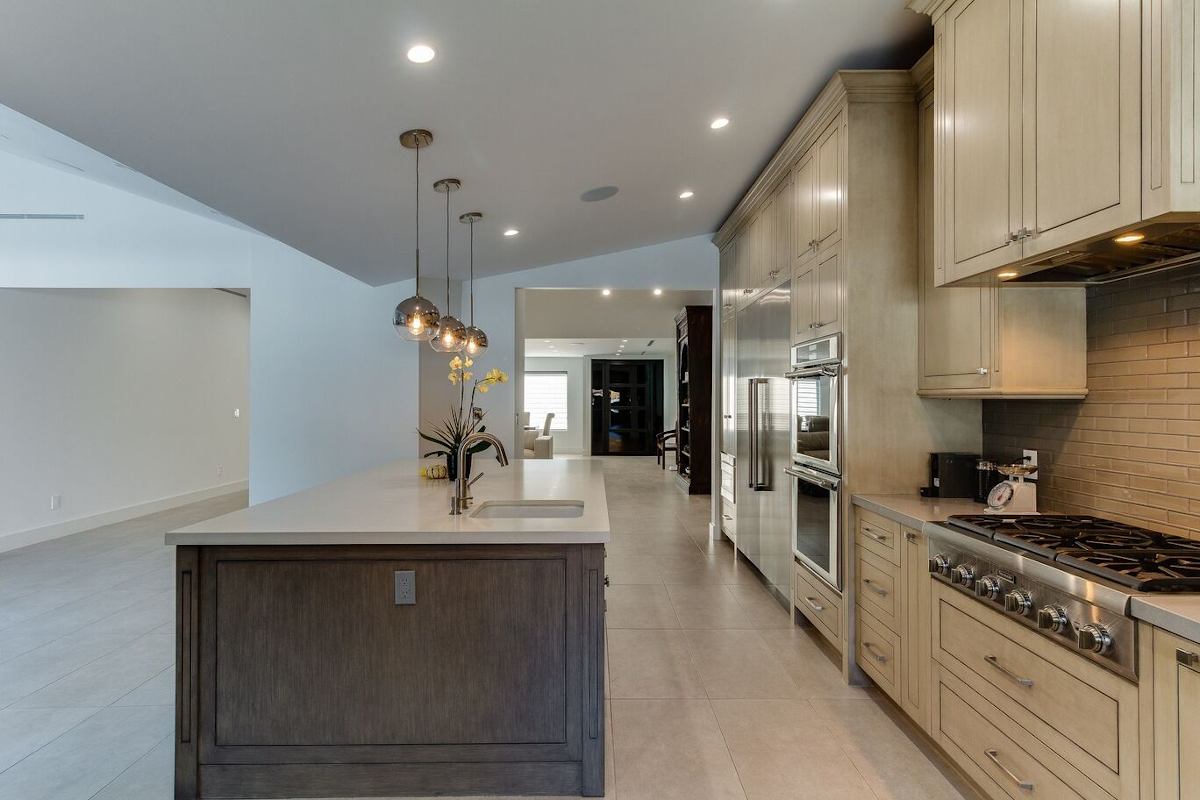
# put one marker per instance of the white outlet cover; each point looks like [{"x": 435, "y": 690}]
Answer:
[{"x": 1031, "y": 456}]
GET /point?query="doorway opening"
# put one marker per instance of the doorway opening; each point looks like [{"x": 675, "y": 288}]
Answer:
[{"x": 627, "y": 408}]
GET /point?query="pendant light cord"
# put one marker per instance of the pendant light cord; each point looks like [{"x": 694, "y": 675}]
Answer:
[
  {"x": 472, "y": 273},
  {"x": 448, "y": 251},
  {"x": 417, "y": 226}
]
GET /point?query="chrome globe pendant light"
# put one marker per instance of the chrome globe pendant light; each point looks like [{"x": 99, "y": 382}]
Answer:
[
  {"x": 477, "y": 340},
  {"x": 416, "y": 318},
  {"x": 451, "y": 336}
]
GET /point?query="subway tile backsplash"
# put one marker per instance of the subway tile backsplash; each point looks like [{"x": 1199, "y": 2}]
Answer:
[{"x": 1131, "y": 450}]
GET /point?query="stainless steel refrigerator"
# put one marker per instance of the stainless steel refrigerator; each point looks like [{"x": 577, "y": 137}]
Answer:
[{"x": 764, "y": 532}]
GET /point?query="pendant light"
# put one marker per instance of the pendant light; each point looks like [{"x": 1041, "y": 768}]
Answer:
[
  {"x": 416, "y": 318},
  {"x": 451, "y": 334},
  {"x": 477, "y": 340}
]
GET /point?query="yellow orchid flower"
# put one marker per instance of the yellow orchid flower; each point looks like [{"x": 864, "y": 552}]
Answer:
[
  {"x": 467, "y": 362},
  {"x": 453, "y": 376},
  {"x": 483, "y": 388},
  {"x": 456, "y": 363},
  {"x": 468, "y": 376}
]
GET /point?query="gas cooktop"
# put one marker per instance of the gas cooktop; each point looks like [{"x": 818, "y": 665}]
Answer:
[{"x": 1126, "y": 555}]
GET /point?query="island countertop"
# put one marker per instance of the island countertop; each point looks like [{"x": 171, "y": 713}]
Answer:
[{"x": 393, "y": 504}]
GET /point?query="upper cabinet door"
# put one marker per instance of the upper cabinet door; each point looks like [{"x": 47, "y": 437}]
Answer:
[
  {"x": 829, "y": 184},
  {"x": 784, "y": 227},
  {"x": 978, "y": 96},
  {"x": 804, "y": 302},
  {"x": 829, "y": 291},
  {"x": 804, "y": 188},
  {"x": 1082, "y": 112}
]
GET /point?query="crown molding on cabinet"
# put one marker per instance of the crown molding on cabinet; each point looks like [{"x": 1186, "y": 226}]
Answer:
[
  {"x": 922, "y": 74},
  {"x": 934, "y": 8},
  {"x": 846, "y": 86}
]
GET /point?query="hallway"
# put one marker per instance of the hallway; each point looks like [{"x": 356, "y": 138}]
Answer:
[{"x": 712, "y": 692}]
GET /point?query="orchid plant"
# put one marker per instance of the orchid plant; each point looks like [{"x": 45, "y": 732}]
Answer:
[{"x": 467, "y": 417}]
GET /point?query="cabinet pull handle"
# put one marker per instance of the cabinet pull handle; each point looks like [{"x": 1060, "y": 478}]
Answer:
[
  {"x": 871, "y": 585},
  {"x": 874, "y": 653},
  {"x": 982, "y": 370},
  {"x": 1008, "y": 673},
  {"x": 994, "y": 757},
  {"x": 877, "y": 537},
  {"x": 1187, "y": 659},
  {"x": 911, "y": 538},
  {"x": 813, "y": 604}
]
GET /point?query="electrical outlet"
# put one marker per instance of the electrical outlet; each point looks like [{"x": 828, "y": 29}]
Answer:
[
  {"x": 237, "y": 413},
  {"x": 1030, "y": 458},
  {"x": 406, "y": 587},
  {"x": 220, "y": 471},
  {"x": 55, "y": 502}
]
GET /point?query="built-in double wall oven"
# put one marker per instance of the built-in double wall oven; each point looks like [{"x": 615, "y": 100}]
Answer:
[{"x": 815, "y": 377}]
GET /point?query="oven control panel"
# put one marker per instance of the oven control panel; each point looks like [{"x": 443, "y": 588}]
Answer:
[{"x": 1100, "y": 635}]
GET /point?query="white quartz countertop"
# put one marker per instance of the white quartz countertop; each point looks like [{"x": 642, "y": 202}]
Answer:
[
  {"x": 1177, "y": 613},
  {"x": 913, "y": 510},
  {"x": 393, "y": 504}
]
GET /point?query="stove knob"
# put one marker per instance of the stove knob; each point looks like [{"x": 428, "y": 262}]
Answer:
[
  {"x": 963, "y": 575},
  {"x": 989, "y": 588},
  {"x": 939, "y": 564},
  {"x": 1053, "y": 618},
  {"x": 1018, "y": 601},
  {"x": 1095, "y": 638}
]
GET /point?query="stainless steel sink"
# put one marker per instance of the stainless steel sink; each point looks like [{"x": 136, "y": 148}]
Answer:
[{"x": 529, "y": 509}]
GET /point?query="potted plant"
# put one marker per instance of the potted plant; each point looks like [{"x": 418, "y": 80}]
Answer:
[{"x": 463, "y": 419}]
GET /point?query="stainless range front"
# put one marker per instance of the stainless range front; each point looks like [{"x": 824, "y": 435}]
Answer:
[{"x": 1082, "y": 614}]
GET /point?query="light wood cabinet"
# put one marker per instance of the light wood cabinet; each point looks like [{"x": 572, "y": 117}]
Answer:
[
  {"x": 988, "y": 341},
  {"x": 804, "y": 187},
  {"x": 1039, "y": 142},
  {"x": 829, "y": 184},
  {"x": 1176, "y": 729},
  {"x": 829, "y": 291},
  {"x": 915, "y": 608},
  {"x": 804, "y": 306}
]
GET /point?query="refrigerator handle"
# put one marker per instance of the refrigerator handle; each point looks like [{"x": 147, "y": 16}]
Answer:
[{"x": 752, "y": 416}]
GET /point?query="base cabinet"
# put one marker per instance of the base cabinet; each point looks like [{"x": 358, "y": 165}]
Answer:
[{"x": 1176, "y": 726}]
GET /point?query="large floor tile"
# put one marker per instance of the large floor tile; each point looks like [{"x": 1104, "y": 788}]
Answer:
[
  {"x": 814, "y": 667},
  {"x": 157, "y": 691},
  {"x": 151, "y": 777},
  {"x": 27, "y": 673},
  {"x": 651, "y": 664},
  {"x": 24, "y": 730},
  {"x": 738, "y": 664},
  {"x": 671, "y": 750},
  {"x": 639, "y": 606},
  {"x": 629, "y": 568},
  {"x": 780, "y": 754},
  {"x": 707, "y": 606},
  {"x": 108, "y": 678},
  {"x": 86, "y": 758}
]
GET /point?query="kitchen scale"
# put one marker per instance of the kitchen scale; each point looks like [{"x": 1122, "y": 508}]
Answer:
[{"x": 1015, "y": 495}]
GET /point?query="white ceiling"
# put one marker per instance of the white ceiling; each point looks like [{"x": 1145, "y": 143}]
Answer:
[
  {"x": 283, "y": 114},
  {"x": 599, "y": 348}
]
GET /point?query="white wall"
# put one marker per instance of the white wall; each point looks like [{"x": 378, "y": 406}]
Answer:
[
  {"x": 118, "y": 398},
  {"x": 333, "y": 388},
  {"x": 682, "y": 264}
]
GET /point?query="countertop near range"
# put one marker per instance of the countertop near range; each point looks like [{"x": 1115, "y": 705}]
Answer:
[
  {"x": 1177, "y": 613},
  {"x": 913, "y": 510},
  {"x": 393, "y": 504}
]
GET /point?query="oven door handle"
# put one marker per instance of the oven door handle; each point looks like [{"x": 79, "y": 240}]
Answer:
[
  {"x": 808, "y": 476},
  {"x": 829, "y": 370}
]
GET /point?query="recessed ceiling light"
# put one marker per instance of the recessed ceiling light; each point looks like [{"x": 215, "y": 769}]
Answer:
[
  {"x": 718, "y": 123},
  {"x": 421, "y": 54},
  {"x": 1007, "y": 275},
  {"x": 658, "y": 292},
  {"x": 511, "y": 232},
  {"x": 685, "y": 194},
  {"x": 545, "y": 341},
  {"x": 606, "y": 292},
  {"x": 623, "y": 341},
  {"x": 1130, "y": 238}
]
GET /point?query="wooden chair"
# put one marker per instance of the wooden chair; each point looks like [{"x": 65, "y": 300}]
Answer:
[{"x": 666, "y": 444}]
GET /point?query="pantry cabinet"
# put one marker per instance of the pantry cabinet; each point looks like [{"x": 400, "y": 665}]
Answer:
[
  {"x": 984, "y": 340},
  {"x": 1039, "y": 140},
  {"x": 1176, "y": 730}
]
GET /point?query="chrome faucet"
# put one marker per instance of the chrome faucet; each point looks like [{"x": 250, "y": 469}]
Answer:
[{"x": 462, "y": 487}]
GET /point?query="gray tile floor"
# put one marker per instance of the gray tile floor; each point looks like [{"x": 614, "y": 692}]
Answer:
[{"x": 712, "y": 693}]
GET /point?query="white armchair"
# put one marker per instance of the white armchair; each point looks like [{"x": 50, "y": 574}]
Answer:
[{"x": 538, "y": 444}]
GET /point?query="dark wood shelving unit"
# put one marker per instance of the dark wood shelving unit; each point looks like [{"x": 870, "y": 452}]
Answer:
[{"x": 693, "y": 382}]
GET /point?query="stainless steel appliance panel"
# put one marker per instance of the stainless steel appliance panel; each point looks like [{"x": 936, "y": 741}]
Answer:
[
  {"x": 748, "y": 325},
  {"x": 816, "y": 522}
]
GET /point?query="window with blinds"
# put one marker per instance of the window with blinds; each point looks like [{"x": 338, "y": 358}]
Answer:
[{"x": 546, "y": 393}]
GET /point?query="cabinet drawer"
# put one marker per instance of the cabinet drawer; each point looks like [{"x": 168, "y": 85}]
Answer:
[
  {"x": 818, "y": 603},
  {"x": 1081, "y": 711},
  {"x": 729, "y": 518},
  {"x": 728, "y": 480},
  {"x": 877, "y": 581},
  {"x": 1006, "y": 763},
  {"x": 879, "y": 534},
  {"x": 879, "y": 653}
]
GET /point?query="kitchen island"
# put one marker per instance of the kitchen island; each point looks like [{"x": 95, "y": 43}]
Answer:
[{"x": 355, "y": 639}]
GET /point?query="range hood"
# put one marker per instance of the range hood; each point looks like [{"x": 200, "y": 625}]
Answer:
[{"x": 1152, "y": 247}]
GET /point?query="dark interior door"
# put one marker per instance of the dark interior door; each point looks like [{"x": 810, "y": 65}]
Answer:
[{"x": 626, "y": 407}]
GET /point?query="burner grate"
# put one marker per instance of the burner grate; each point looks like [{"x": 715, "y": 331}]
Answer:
[{"x": 1144, "y": 570}]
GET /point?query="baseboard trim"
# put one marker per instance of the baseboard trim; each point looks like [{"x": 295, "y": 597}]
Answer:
[{"x": 16, "y": 539}]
